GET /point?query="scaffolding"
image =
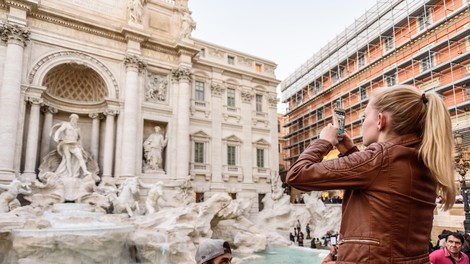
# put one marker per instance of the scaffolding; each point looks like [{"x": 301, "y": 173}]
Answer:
[{"x": 418, "y": 42}]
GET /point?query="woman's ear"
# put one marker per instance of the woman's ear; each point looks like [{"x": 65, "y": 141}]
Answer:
[{"x": 381, "y": 121}]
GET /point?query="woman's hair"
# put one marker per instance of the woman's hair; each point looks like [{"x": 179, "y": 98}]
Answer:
[{"x": 426, "y": 115}]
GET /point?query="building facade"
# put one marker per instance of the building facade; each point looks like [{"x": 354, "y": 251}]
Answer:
[
  {"x": 125, "y": 67},
  {"x": 415, "y": 42}
]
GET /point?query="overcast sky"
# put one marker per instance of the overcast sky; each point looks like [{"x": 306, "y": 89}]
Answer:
[{"x": 287, "y": 32}]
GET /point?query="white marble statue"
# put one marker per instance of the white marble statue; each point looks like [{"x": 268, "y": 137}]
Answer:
[
  {"x": 187, "y": 25},
  {"x": 127, "y": 200},
  {"x": 8, "y": 199},
  {"x": 46, "y": 191},
  {"x": 154, "y": 194},
  {"x": 153, "y": 149},
  {"x": 134, "y": 10},
  {"x": 69, "y": 147}
]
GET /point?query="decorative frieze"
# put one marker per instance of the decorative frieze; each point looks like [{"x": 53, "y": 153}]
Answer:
[
  {"x": 14, "y": 34},
  {"x": 156, "y": 88},
  {"x": 181, "y": 73}
]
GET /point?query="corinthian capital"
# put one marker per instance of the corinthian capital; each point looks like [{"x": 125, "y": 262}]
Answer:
[
  {"x": 14, "y": 34},
  {"x": 135, "y": 62},
  {"x": 247, "y": 96},
  {"x": 181, "y": 73}
]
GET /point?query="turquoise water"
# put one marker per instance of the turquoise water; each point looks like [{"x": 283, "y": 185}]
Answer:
[{"x": 282, "y": 255}]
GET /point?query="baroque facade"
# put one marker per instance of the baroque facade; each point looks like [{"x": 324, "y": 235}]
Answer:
[{"x": 125, "y": 67}]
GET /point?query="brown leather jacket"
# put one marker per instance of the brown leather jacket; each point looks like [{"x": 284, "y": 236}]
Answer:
[{"x": 388, "y": 201}]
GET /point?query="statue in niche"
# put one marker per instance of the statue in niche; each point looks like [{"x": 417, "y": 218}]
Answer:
[
  {"x": 8, "y": 199},
  {"x": 187, "y": 25},
  {"x": 134, "y": 10},
  {"x": 153, "y": 148},
  {"x": 69, "y": 162},
  {"x": 69, "y": 147},
  {"x": 156, "y": 89}
]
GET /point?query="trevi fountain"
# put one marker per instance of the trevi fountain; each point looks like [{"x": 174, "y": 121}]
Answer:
[{"x": 70, "y": 213}]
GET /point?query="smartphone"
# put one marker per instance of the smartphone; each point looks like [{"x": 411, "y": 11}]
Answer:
[
  {"x": 341, "y": 115},
  {"x": 333, "y": 240}
]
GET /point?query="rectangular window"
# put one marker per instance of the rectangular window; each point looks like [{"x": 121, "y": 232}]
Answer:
[
  {"x": 361, "y": 59},
  {"x": 299, "y": 97},
  {"x": 468, "y": 91},
  {"x": 260, "y": 201},
  {"x": 231, "y": 156},
  {"x": 233, "y": 196},
  {"x": 388, "y": 43},
  {"x": 199, "y": 197},
  {"x": 260, "y": 158},
  {"x": 199, "y": 91},
  {"x": 301, "y": 147},
  {"x": 231, "y": 60},
  {"x": 259, "y": 103},
  {"x": 318, "y": 87},
  {"x": 202, "y": 52},
  {"x": 363, "y": 93},
  {"x": 231, "y": 97},
  {"x": 301, "y": 123},
  {"x": 427, "y": 63},
  {"x": 198, "y": 152},
  {"x": 339, "y": 103},
  {"x": 258, "y": 67},
  {"x": 391, "y": 79},
  {"x": 319, "y": 114}
]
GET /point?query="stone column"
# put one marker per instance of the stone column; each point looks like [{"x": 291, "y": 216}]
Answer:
[
  {"x": 109, "y": 143},
  {"x": 247, "y": 147},
  {"x": 46, "y": 129},
  {"x": 183, "y": 75},
  {"x": 10, "y": 96},
  {"x": 134, "y": 66},
  {"x": 95, "y": 135},
  {"x": 32, "y": 139},
  {"x": 217, "y": 158}
]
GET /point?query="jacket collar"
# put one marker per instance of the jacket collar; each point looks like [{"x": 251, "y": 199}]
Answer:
[{"x": 405, "y": 140}]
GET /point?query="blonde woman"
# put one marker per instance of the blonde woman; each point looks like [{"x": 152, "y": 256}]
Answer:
[{"x": 391, "y": 186}]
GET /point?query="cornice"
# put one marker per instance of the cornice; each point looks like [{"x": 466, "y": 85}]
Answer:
[
  {"x": 78, "y": 26},
  {"x": 28, "y": 5}
]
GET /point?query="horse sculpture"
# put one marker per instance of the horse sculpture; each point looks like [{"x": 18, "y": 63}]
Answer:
[{"x": 127, "y": 199}]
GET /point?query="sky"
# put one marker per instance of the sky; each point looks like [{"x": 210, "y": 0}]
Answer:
[{"x": 287, "y": 32}]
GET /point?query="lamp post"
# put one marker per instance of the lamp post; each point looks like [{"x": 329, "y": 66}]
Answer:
[{"x": 462, "y": 165}]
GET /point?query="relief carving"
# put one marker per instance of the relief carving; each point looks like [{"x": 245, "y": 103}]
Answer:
[{"x": 156, "y": 89}]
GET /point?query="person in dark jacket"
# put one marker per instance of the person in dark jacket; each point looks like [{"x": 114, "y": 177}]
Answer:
[{"x": 390, "y": 186}]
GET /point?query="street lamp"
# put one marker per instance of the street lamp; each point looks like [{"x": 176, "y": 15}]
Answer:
[{"x": 462, "y": 165}]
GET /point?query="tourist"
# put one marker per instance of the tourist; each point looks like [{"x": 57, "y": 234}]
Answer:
[
  {"x": 291, "y": 237},
  {"x": 214, "y": 251},
  {"x": 300, "y": 239},
  {"x": 307, "y": 229},
  {"x": 390, "y": 186},
  {"x": 318, "y": 243},
  {"x": 299, "y": 227},
  {"x": 451, "y": 253}
]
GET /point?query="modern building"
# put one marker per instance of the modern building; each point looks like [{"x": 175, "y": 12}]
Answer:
[
  {"x": 416, "y": 42},
  {"x": 124, "y": 67}
]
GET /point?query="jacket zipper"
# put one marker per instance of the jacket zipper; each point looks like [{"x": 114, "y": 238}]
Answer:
[{"x": 363, "y": 241}]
